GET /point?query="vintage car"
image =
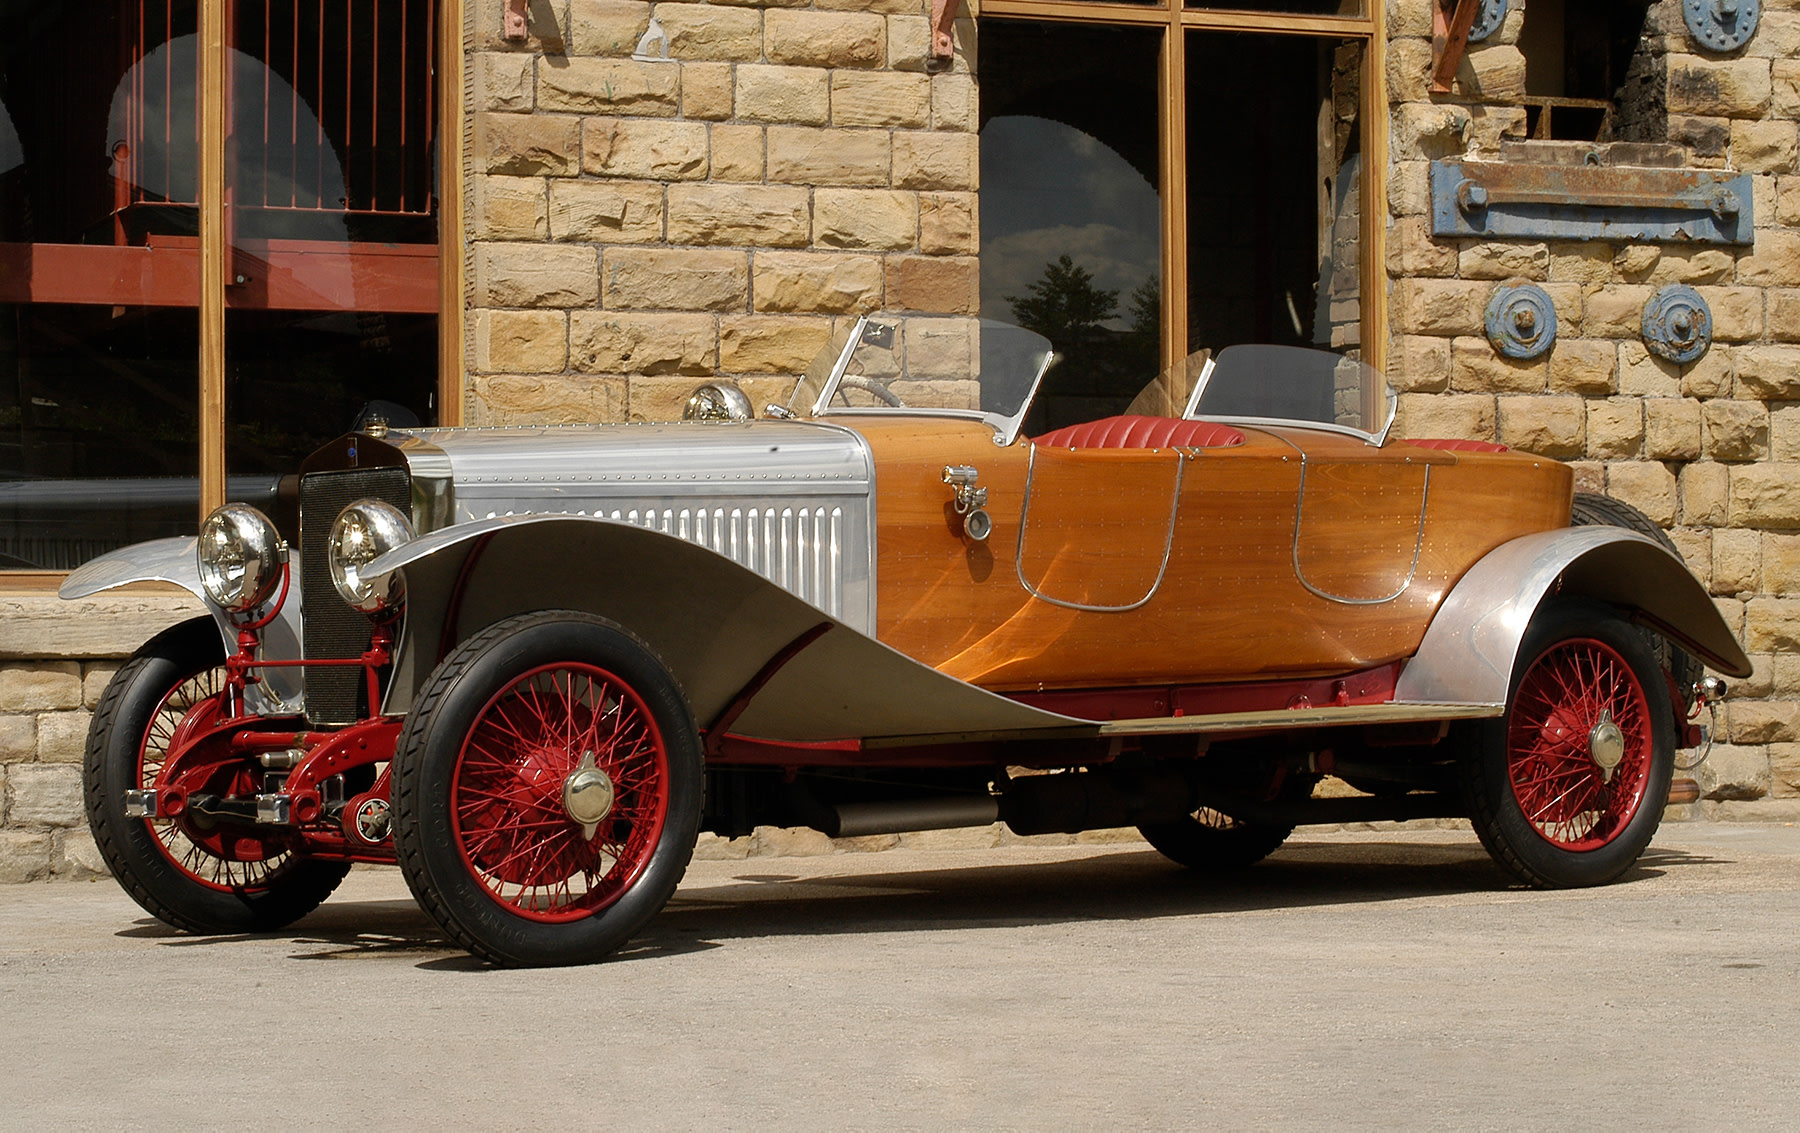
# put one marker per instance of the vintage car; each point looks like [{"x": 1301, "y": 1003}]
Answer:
[{"x": 532, "y": 664}]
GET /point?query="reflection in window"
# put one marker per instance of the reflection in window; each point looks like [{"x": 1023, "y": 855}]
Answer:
[
  {"x": 1070, "y": 219},
  {"x": 1274, "y": 177}
]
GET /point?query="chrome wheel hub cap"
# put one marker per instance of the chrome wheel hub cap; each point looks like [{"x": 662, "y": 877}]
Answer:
[
  {"x": 587, "y": 796},
  {"x": 1606, "y": 745}
]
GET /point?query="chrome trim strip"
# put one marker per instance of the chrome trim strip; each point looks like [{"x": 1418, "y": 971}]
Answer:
[
  {"x": 1181, "y": 461},
  {"x": 1284, "y": 719},
  {"x": 1411, "y": 570}
]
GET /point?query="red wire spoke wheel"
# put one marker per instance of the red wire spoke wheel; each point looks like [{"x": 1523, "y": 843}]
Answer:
[
  {"x": 547, "y": 789},
  {"x": 222, "y": 877},
  {"x": 510, "y": 818},
  {"x": 1567, "y": 788},
  {"x": 1563, "y": 785}
]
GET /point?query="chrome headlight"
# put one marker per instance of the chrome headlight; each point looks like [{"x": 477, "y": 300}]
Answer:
[
  {"x": 363, "y": 531},
  {"x": 240, "y": 556},
  {"x": 717, "y": 401}
]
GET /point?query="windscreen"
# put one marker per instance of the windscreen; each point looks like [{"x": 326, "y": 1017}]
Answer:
[{"x": 1292, "y": 383}]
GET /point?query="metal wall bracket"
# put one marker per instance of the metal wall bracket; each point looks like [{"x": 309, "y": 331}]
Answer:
[
  {"x": 1450, "y": 24},
  {"x": 512, "y": 19},
  {"x": 1677, "y": 324},
  {"x": 1721, "y": 25},
  {"x": 943, "y": 43},
  {"x": 1590, "y": 202},
  {"x": 1521, "y": 321}
]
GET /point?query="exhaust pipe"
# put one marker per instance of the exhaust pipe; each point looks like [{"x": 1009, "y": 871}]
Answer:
[{"x": 857, "y": 820}]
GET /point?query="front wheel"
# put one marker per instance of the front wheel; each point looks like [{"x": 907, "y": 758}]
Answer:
[
  {"x": 1568, "y": 787},
  {"x": 547, "y": 789}
]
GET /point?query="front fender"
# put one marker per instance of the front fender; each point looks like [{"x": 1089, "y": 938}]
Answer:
[
  {"x": 1468, "y": 652},
  {"x": 716, "y": 625}
]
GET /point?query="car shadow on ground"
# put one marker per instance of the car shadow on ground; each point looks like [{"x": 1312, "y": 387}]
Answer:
[{"x": 764, "y": 901}]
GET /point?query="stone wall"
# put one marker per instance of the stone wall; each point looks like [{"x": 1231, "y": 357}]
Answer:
[
  {"x": 1710, "y": 450},
  {"x": 637, "y": 227},
  {"x": 55, "y": 660}
]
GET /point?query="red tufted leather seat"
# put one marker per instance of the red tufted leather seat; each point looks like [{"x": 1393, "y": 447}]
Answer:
[
  {"x": 1142, "y": 432},
  {"x": 1451, "y": 445}
]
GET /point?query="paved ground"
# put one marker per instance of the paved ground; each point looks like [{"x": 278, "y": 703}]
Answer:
[{"x": 1354, "y": 981}]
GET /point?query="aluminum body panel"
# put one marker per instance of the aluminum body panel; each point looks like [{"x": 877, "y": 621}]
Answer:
[
  {"x": 1468, "y": 652},
  {"x": 172, "y": 560},
  {"x": 791, "y": 501}
]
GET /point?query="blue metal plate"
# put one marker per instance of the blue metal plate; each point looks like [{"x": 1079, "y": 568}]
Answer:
[
  {"x": 1721, "y": 25},
  {"x": 1590, "y": 202},
  {"x": 1521, "y": 321}
]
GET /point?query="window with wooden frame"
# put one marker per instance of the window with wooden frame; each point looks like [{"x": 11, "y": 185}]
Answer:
[
  {"x": 224, "y": 235},
  {"x": 1159, "y": 180}
]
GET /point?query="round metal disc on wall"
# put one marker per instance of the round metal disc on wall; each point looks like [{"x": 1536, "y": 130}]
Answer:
[
  {"x": 1721, "y": 25},
  {"x": 1487, "y": 20},
  {"x": 1677, "y": 324},
  {"x": 1521, "y": 320}
]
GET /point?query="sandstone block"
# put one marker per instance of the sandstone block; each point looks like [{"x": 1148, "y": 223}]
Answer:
[
  {"x": 611, "y": 86},
  {"x": 947, "y": 224},
  {"x": 1465, "y": 416},
  {"x": 936, "y": 160},
  {"x": 737, "y": 153},
  {"x": 1419, "y": 364},
  {"x": 1445, "y": 307},
  {"x": 24, "y": 855},
  {"x": 1504, "y": 261},
  {"x": 1581, "y": 262},
  {"x": 18, "y": 738},
  {"x": 1671, "y": 428},
  {"x": 1736, "y": 562},
  {"x": 661, "y": 399},
  {"x": 1769, "y": 372},
  {"x": 1491, "y": 127},
  {"x": 1711, "y": 376},
  {"x": 1781, "y": 572},
  {"x": 674, "y": 279},
  {"x": 1615, "y": 428},
  {"x": 1766, "y": 496},
  {"x": 1729, "y": 88},
  {"x": 865, "y": 218},
  {"x": 706, "y": 91},
  {"x": 1615, "y": 312},
  {"x": 508, "y": 208},
  {"x": 1409, "y": 66},
  {"x": 1782, "y": 310},
  {"x": 1710, "y": 265},
  {"x": 968, "y": 838},
  {"x": 1569, "y": 299},
  {"x": 808, "y": 156},
  {"x": 521, "y": 342},
  {"x": 712, "y": 848},
  {"x": 606, "y": 212},
  {"x": 772, "y": 216},
  {"x": 832, "y": 39},
  {"x": 1590, "y": 475},
  {"x": 1784, "y": 768},
  {"x": 941, "y": 348},
  {"x": 44, "y": 794},
  {"x": 1492, "y": 73},
  {"x": 1646, "y": 485},
  {"x": 527, "y": 145},
  {"x": 606, "y": 27},
  {"x": 1643, "y": 374},
  {"x": 1583, "y": 365},
  {"x": 1735, "y": 430},
  {"x": 1775, "y": 260},
  {"x": 1705, "y": 493},
  {"x": 1427, "y": 131},
  {"x": 1777, "y": 35},
  {"x": 813, "y": 283},
  {"x": 954, "y": 102},
  {"x": 1732, "y": 611},
  {"x": 945, "y": 285},
  {"x": 620, "y": 342},
  {"x": 546, "y": 399},
  {"x": 1708, "y": 138},
  {"x": 712, "y": 31},
  {"x": 1694, "y": 544},
  {"x": 1784, "y": 433},
  {"x": 1771, "y": 625},
  {"x": 502, "y": 81},
  {"x": 95, "y": 676},
  {"x": 1737, "y": 312},
  {"x": 1412, "y": 252},
  {"x": 908, "y": 43},
  {"x": 41, "y": 687},
  {"x": 880, "y": 98},
  {"x": 1409, "y": 188},
  {"x": 62, "y": 736},
  {"x": 535, "y": 275},
  {"x": 644, "y": 149},
  {"x": 1409, "y": 18},
  {"x": 1548, "y": 426},
  {"x": 1734, "y": 772},
  {"x": 770, "y": 344},
  {"x": 1475, "y": 367},
  {"x": 75, "y": 856},
  {"x": 1763, "y": 147},
  {"x": 1636, "y": 261},
  {"x": 790, "y": 95}
]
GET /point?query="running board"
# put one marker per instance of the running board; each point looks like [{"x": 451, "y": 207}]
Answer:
[{"x": 1286, "y": 719}]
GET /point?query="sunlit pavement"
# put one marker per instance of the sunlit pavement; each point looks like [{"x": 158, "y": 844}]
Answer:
[{"x": 1354, "y": 980}]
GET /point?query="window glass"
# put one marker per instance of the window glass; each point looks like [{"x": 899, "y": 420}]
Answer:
[{"x": 1298, "y": 7}]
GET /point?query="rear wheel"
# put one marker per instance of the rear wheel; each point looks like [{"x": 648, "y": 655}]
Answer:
[
  {"x": 1212, "y": 840},
  {"x": 1590, "y": 509},
  {"x": 1568, "y": 787},
  {"x": 547, "y": 790},
  {"x": 212, "y": 879}
]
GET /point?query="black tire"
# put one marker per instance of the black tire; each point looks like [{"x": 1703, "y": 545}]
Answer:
[
  {"x": 1591, "y": 509},
  {"x": 175, "y": 878},
  {"x": 483, "y": 836},
  {"x": 1211, "y": 841},
  {"x": 1581, "y": 663}
]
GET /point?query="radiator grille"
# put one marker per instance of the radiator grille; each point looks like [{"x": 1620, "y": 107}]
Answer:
[{"x": 332, "y": 628}]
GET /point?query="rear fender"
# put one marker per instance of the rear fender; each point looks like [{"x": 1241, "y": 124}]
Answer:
[{"x": 1468, "y": 652}]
